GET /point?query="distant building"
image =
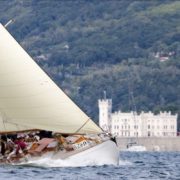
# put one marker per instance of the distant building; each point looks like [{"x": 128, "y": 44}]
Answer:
[
  {"x": 131, "y": 124},
  {"x": 162, "y": 56}
]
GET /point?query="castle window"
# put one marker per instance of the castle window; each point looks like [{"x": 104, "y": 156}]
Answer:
[
  {"x": 136, "y": 134},
  {"x": 135, "y": 126}
]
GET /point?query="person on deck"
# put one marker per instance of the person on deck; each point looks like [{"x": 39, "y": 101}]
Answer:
[
  {"x": 19, "y": 148},
  {"x": 10, "y": 145},
  {"x": 21, "y": 145},
  {"x": 3, "y": 145}
]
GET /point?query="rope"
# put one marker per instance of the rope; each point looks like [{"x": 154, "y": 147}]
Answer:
[
  {"x": 82, "y": 126},
  {"x": 5, "y": 120}
]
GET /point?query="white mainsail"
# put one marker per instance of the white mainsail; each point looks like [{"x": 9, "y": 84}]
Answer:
[{"x": 29, "y": 99}]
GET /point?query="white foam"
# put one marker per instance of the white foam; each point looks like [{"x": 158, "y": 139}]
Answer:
[
  {"x": 136, "y": 148},
  {"x": 71, "y": 162},
  {"x": 103, "y": 154},
  {"x": 125, "y": 163}
]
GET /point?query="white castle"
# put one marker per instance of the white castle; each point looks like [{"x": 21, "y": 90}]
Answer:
[{"x": 131, "y": 124}]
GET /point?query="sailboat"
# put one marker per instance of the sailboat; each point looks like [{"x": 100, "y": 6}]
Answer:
[
  {"x": 30, "y": 100},
  {"x": 133, "y": 145}
]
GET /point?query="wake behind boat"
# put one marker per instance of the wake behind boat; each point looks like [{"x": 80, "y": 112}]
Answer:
[
  {"x": 30, "y": 100},
  {"x": 134, "y": 147}
]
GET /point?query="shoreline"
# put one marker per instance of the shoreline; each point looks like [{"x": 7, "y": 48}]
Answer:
[{"x": 151, "y": 143}]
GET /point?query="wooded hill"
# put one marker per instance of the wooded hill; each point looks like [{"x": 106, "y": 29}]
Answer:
[{"x": 130, "y": 49}]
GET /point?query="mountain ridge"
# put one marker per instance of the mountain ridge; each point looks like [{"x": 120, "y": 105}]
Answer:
[{"x": 91, "y": 46}]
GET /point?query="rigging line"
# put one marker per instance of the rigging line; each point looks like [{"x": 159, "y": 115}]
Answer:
[
  {"x": 26, "y": 126},
  {"x": 9, "y": 22},
  {"x": 4, "y": 120},
  {"x": 131, "y": 92},
  {"x": 132, "y": 99},
  {"x": 82, "y": 126},
  {"x": 16, "y": 124},
  {"x": 2, "y": 115}
]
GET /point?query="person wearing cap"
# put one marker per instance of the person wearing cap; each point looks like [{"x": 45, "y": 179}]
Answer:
[{"x": 21, "y": 145}]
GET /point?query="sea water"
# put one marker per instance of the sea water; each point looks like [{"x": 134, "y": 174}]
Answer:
[{"x": 132, "y": 166}]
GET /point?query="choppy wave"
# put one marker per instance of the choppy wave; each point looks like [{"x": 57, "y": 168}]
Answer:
[
  {"x": 132, "y": 165},
  {"x": 124, "y": 163}
]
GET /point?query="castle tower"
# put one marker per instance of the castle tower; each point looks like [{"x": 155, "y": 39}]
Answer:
[{"x": 105, "y": 110}]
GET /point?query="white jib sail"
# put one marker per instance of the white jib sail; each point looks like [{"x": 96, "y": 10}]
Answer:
[{"x": 30, "y": 99}]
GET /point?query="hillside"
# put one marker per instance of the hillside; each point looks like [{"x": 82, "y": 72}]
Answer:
[{"x": 91, "y": 46}]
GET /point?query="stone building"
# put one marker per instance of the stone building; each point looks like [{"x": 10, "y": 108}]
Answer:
[{"x": 131, "y": 124}]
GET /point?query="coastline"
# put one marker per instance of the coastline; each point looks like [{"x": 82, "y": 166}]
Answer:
[{"x": 151, "y": 143}]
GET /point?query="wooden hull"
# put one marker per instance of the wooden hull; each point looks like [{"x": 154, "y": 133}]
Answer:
[{"x": 105, "y": 153}]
